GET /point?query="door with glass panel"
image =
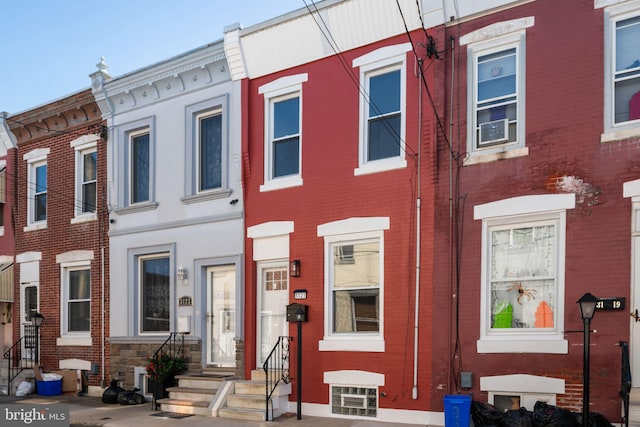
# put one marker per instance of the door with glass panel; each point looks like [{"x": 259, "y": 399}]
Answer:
[
  {"x": 273, "y": 297},
  {"x": 221, "y": 315},
  {"x": 29, "y": 306}
]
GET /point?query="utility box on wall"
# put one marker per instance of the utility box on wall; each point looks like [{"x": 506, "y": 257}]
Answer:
[{"x": 296, "y": 312}]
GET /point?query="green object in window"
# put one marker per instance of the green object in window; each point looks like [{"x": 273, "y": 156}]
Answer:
[{"x": 503, "y": 313}]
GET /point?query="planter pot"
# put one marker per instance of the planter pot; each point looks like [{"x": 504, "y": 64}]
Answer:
[{"x": 159, "y": 389}]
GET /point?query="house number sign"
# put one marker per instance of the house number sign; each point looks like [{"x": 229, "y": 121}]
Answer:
[
  {"x": 185, "y": 301},
  {"x": 616, "y": 303}
]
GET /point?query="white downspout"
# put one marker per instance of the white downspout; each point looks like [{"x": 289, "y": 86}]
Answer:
[
  {"x": 414, "y": 391},
  {"x": 102, "y": 382}
]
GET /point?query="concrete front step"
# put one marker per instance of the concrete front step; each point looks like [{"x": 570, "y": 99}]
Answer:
[
  {"x": 199, "y": 381},
  {"x": 246, "y": 414},
  {"x": 185, "y": 406},
  {"x": 246, "y": 401},
  {"x": 189, "y": 393},
  {"x": 258, "y": 388}
]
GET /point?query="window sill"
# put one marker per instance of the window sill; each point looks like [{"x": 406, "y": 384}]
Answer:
[
  {"x": 84, "y": 218},
  {"x": 620, "y": 135},
  {"x": 281, "y": 183},
  {"x": 353, "y": 343},
  {"x": 478, "y": 157},
  {"x": 380, "y": 166},
  {"x": 74, "y": 341},
  {"x": 138, "y": 207},
  {"x": 37, "y": 226},
  {"x": 551, "y": 346},
  {"x": 206, "y": 196}
]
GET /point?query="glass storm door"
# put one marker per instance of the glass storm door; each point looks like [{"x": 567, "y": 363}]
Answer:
[
  {"x": 273, "y": 297},
  {"x": 221, "y": 315}
]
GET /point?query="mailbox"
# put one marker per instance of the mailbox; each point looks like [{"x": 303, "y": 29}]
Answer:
[{"x": 296, "y": 312}]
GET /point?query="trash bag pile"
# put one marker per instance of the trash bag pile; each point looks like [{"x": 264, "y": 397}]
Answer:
[
  {"x": 116, "y": 394},
  {"x": 543, "y": 415}
]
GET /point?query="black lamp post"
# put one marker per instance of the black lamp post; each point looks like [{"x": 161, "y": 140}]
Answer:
[
  {"x": 587, "y": 310},
  {"x": 300, "y": 317},
  {"x": 37, "y": 320}
]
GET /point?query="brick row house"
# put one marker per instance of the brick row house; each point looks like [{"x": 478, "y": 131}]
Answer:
[{"x": 59, "y": 218}]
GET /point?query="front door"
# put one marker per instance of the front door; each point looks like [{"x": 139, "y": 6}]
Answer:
[
  {"x": 273, "y": 297},
  {"x": 29, "y": 306},
  {"x": 221, "y": 315}
]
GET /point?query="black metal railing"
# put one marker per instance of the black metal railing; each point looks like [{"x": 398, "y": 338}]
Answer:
[
  {"x": 625, "y": 387},
  {"x": 173, "y": 346},
  {"x": 18, "y": 360},
  {"x": 276, "y": 369}
]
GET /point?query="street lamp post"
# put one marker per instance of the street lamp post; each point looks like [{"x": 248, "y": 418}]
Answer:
[
  {"x": 587, "y": 310},
  {"x": 37, "y": 320}
]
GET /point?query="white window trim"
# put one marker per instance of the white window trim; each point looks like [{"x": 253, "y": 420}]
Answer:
[
  {"x": 284, "y": 87},
  {"x": 82, "y": 146},
  {"x": 34, "y": 159},
  {"x": 615, "y": 11},
  {"x": 334, "y": 232},
  {"x": 390, "y": 57},
  {"x": 530, "y": 388},
  {"x": 520, "y": 210},
  {"x": 68, "y": 261},
  {"x": 491, "y": 39}
]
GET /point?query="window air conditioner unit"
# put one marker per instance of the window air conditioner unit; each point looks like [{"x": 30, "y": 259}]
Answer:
[{"x": 494, "y": 132}]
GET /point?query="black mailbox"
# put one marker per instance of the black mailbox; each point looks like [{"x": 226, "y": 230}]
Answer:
[{"x": 296, "y": 312}]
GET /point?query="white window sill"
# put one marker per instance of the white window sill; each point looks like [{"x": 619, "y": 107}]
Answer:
[
  {"x": 620, "y": 135},
  {"x": 556, "y": 346},
  {"x": 205, "y": 196},
  {"x": 138, "y": 207},
  {"x": 84, "y": 218},
  {"x": 380, "y": 166},
  {"x": 478, "y": 157},
  {"x": 37, "y": 226},
  {"x": 2, "y": 230},
  {"x": 280, "y": 183},
  {"x": 74, "y": 341},
  {"x": 353, "y": 343}
]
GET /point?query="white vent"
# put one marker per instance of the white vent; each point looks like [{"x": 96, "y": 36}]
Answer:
[
  {"x": 354, "y": 401},
  {"x": 494, "y": 132}
]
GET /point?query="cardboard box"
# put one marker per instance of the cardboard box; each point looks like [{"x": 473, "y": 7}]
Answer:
[{"x": 69, "y": 379}]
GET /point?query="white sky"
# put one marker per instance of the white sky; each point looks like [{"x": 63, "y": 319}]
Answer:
[{"x": 49, "y": 47}]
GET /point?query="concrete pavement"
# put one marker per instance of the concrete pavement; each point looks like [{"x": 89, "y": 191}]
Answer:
[{"x": 89, "y": 411}]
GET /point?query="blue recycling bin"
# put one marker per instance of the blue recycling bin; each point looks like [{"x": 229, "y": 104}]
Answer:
[{"x": 457, "y": 410}]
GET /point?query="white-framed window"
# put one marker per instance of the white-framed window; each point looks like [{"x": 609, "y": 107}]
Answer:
[
  {"x": 622, "y": 70},
  {"x": 522, "y": 274},
  {"x": 207, "y": 151},
  {"x": 154, "y": 293},
  {"x": 36, "y": 188},
  {"x": 77, "y": 300},
  {"x": 283, "y": 132},
  {"x": 496, "y": 89},
  {"x": 382, "y": 109},
  {"x": 354, "y": 290},
  {"x": 86, "y": 162},
  {"x": 136, "y": 167}
]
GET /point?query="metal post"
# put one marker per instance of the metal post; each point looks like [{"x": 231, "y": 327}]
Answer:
[
  {"x": 37, "y": 351},
  {"x": 585, "y": 373},
  {"x": 299, "y": 385}
]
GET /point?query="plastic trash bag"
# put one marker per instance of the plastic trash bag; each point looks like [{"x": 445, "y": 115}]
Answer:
[
  {"x": 595, "y": 419},
  {"x": 130, "y": 397},
  {"x": 545, "y": 415},
  {"x": 50, "y": 376},
  {"x": 24, "y": 388},
  {"x": 486, "y": 415},
  {"x": 517, "y": 418},
  {"x": 110, "y": 395}
]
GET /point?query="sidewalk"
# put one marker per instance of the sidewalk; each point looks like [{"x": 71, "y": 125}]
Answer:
[{"x": 91, "y": 412}]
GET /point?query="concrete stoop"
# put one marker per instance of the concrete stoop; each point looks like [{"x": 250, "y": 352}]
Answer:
[
  {"x": 634, "y": 407},
  {"x": 25, "y": 375},
  {"x": 193, "y": 395}
]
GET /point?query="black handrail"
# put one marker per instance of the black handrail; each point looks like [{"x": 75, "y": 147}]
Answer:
[
  {"x": 625, "y": 388},
  {"x": 14, "y": 355},
  {"x": 276, "y": 369},
  {"x": 172, "y": 346}
]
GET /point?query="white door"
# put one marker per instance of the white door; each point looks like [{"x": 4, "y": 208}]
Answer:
[
  {"x": 28, "y": 306},
  {"x": 221, "y": 315},
  {"x": 273, "y": 297}
]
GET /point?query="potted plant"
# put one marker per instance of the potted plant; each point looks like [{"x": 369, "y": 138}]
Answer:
[{"x": 162, "y": 369}]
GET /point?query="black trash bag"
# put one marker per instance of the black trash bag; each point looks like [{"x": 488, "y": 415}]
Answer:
[
  {"x": 595, "y": 419},
  {"x": 545, "y": 415},
  {"x": 517, "y": 418},
  {"x": 486, "y": 415},
  {"x": 110, "y": 395},
  {"x": 130, "y": 397}
]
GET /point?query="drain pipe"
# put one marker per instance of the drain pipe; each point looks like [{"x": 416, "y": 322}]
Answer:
[
  {"x": 102, "y": 381},
  {"x": 414, "y": 391}
]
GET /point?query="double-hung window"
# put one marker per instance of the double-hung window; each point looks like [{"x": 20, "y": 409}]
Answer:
[
  {"x": 36, "y": 188},
  {"x": 354, "y": 284},
  {"x": 283, "y": 132},
  {"x": 496, "y": 81},
  {"x": 139, "y": 166},
  {"x": 86, "y": 159},
  {"x": 382, "y": 109},
  {"x": 78, "y": 300},
  {"x": 523, "y": 241},
  {"x": 622, "y": 69},
  {"x": 206, "y": 166}
]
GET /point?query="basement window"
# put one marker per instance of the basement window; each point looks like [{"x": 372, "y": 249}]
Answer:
[{"x": 354, "y": 401}]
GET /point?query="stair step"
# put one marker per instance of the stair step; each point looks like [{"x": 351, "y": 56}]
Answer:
[
  {"x": 184, "y": 406},
  {"x": 242, "y": 401},
  {"x": 199, "y": 381},
  {"x": 258, "y": 388},
  {"x": 243, "y": 414},
  {"x": 219, "y": 372}
]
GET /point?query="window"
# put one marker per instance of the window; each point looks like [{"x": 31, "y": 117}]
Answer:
[
  {"x": 135, "y": 156},
  {"x": 36, "y": 188},
  {"x": 88, "y": 181},
  {"x": 622, "y": 68},
  {"x": 354, "y": 284},
  {"x": 496, "y": 115},
  {"x": 77, "y": 300},
  {"x": 154, "y": 298},
  {"x": 523, "y": 271},
  {"x": 86, "y": 158},
  {"x": 283, "y": 132},
  {"x": 207, "y": 151},
  {"x": 382, "y": 109}
]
